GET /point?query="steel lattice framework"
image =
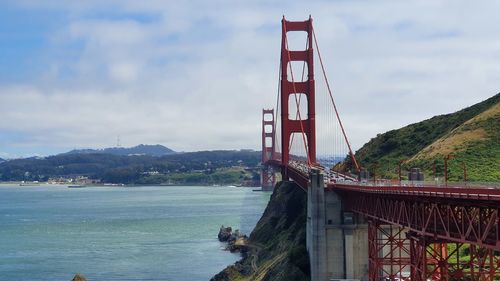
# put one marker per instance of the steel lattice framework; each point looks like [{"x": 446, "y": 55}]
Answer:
[
  {"x": 388, "y": 252},
  {"x": 440, "y": 260},
  {"x": 424, "y": 233},
  {"x": 452, "y": 214}
]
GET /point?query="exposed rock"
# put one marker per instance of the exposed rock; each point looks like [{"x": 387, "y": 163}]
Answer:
[
  {"x": 236, "y": 241},
  {"x": 79, "y": 277},
  {"x": 224, "y": 233},
  {"x": 238, "y": 245}
]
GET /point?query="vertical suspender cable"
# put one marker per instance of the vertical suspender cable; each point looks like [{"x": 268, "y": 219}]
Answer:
[{"x": 334, "y": 106}]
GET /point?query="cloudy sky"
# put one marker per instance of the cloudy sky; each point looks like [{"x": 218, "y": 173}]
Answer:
[{"x": 194, "y": 75}]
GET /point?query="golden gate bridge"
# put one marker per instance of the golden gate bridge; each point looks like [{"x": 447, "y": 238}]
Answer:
[{"x": 415, "y": 232}]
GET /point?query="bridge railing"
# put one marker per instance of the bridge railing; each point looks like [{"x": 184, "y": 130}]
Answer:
[
  {"x": 332, "y": 178},
  {"x": 405, "y": 183},
  {"x": 489, "y": 194}
]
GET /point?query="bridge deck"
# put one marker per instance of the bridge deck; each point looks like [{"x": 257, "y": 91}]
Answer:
[{"x": 299, "y": 172}]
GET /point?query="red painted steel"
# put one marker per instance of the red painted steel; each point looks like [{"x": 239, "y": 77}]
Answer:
[
  {"x": 397, "y": 254},
  {"x": 297, "y": 176},
  {"x": 452, "y": 216},
  {"x": 305, "y": 126},
  {"x": 268, "y": 176},
  {"x": 433, "y": 259},
  {"x": 487, "y": 194},
  {"x": 388, "y": 252}
]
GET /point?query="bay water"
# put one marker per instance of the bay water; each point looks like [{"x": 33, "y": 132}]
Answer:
[{"x": 120, "y": 233}]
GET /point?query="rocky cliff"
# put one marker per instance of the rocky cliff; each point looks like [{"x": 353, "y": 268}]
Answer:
[{"x": 278, "y": 243}]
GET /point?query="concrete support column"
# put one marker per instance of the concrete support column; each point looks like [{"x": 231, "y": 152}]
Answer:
[
  {"x": 316, "y": 233},
  {"x": 337, "y": 241},
  {"x": 349, "y": 253}
]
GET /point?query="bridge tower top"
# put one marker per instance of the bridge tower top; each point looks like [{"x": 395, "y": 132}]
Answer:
[{"x": 304, "y": 125}]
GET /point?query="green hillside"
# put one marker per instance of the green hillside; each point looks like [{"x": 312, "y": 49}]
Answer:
[{"x": 471, "y": 135}]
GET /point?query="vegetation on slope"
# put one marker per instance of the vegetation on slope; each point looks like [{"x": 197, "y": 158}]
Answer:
[
  {"x": 475, "y": 144},
  {"x": 470, "y": 134},
  {"x": 278, "y": 242}
]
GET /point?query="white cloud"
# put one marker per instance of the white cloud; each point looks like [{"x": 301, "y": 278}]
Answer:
[{"x": 195, "y": 75}]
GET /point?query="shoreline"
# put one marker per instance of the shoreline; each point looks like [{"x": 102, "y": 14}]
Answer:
[{"x": 29, "y": 184}]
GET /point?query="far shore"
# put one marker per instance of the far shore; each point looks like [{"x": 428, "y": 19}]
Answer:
[{"x": 34, "y": 184}]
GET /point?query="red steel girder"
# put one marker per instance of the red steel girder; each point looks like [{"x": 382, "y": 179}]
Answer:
[
  {"x": 268, "y": 177},
  {"x": 298, "y": 176},
  {"x": 454, "y": 220},
  {"x": 487, "y": 194},
  {"x": 388, "y": 253},
  {"x": 431, "y": 260}
]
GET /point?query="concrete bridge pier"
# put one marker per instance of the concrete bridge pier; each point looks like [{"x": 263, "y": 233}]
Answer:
[
  {"x": 337, "y": 241},
  {"x": 316, "y": 235}
]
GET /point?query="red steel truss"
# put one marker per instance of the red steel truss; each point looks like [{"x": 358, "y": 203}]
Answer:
[
  {"x": 397, "y": 254},
  {"x": 440, "y": 260},
  {"x": 268, "y": 176},
  {"x": 388, "y": 252},
  {"x": 441, "y": 216},
  {"x": 430, "y": 236}
]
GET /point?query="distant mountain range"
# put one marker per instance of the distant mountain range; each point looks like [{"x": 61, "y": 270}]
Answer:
[
  {"x": 1, "y": 160},
  {"x": 142, "y": 149}
]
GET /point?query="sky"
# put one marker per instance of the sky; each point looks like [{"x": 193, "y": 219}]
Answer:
[{"x": 195, "y": 75}]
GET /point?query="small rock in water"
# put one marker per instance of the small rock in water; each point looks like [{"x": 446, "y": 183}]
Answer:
[
  {"x": 79, "y": 277},
  {"x": 236, "y": 242},
  {"x": 224, "y": 233}
]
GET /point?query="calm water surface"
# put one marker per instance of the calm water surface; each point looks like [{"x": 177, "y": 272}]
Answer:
[{"x": 120, "y": 233}]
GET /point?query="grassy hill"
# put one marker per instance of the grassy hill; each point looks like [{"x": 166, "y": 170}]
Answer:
[{"x": 471, "y": 135}]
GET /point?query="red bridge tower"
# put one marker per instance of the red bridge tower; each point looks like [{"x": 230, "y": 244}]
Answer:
[
  {"x": 268, "y": 176},
  {"x": 304, "y": 125}
]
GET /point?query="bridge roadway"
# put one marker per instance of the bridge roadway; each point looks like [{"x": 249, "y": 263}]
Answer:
[
  {"x": 394, "y": 225},
  {"x": 455, "y": 213}
]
